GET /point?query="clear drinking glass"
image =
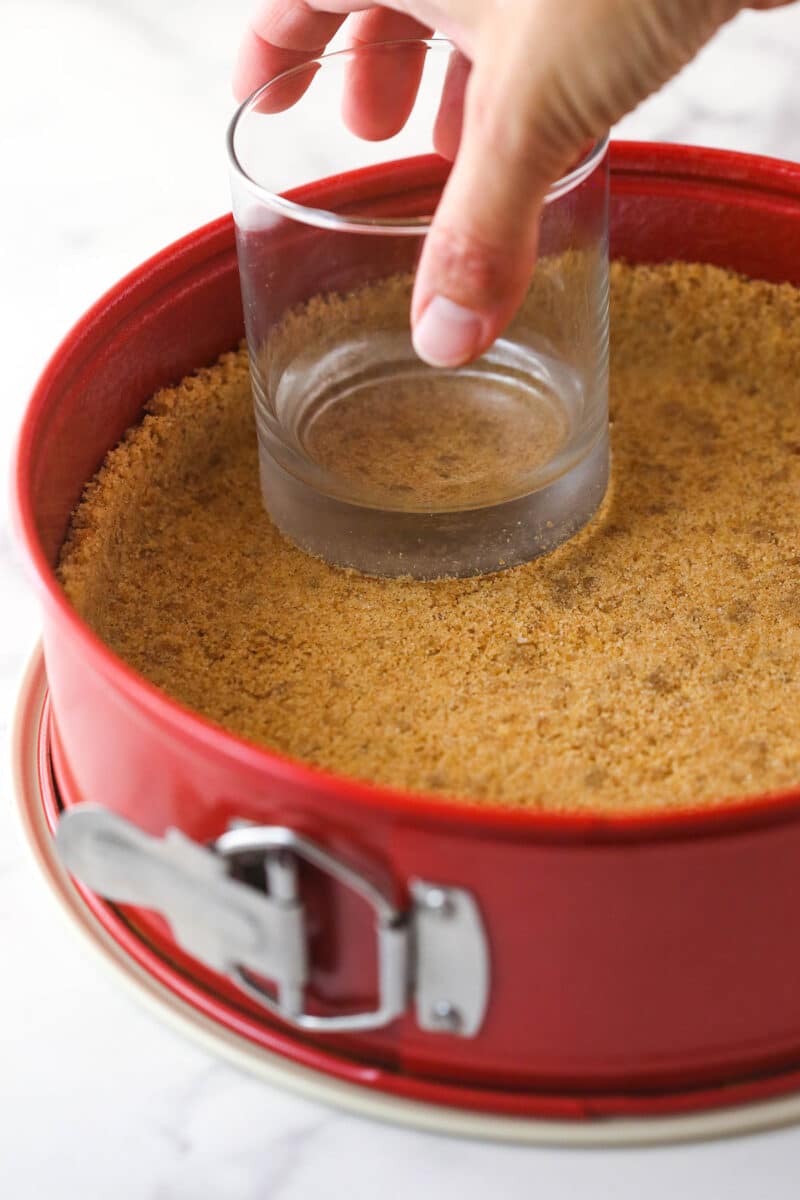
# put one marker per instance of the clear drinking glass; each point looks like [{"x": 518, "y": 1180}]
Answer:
[{"x": 369, "y": 458}]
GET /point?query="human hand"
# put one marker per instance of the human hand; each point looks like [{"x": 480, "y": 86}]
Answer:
[{"x": 539, "y": 79}]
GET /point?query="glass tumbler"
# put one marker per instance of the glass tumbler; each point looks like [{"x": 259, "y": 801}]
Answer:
[{"x": 368, "y": 457}]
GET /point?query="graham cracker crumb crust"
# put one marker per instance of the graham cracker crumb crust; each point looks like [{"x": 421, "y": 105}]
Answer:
[{"x": 653, "y": 662}]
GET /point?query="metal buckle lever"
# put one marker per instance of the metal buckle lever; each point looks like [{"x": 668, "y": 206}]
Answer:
[
  {"x": 435, "y": 951},
  {"x": 281, "y": 847},
  {"x": 217, "y": 919}
]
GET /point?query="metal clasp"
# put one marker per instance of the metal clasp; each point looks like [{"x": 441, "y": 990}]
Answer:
[
  {"x": 281, "y": 847},
  {"x": 434, "y": 952}
]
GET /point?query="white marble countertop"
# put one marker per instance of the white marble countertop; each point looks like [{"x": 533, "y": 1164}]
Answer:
[{"x": 113, "y": 117}]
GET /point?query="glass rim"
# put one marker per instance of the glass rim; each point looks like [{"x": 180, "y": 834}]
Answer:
[{"x": 325, "y": 219}]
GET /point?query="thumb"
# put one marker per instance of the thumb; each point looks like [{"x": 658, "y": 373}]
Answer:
[
  {"x": 545, "y": 79},
  {"x": 479, "y": 254}
]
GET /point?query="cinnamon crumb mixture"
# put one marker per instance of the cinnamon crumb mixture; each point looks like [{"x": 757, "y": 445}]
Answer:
[{"x": 652, "y": 662}]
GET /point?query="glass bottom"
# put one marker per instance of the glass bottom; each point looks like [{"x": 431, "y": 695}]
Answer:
[
  {"x": 369, "y": 423},
  {"x": 434, "y": 545}
]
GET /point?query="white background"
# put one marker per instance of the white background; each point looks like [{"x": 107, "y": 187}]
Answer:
[{"x": 112, "y": 116}]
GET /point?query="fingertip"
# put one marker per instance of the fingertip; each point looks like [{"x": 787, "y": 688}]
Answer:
[
  {"x": 465, "y": 293},
  {"x": 381, "y": 87},
  {"x": 259, "y": 63},
  {"x": 368, "y": 121},
  {"x": 449, "y": 335}
]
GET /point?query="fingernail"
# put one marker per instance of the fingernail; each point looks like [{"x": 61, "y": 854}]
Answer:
[{"x": 447, "y": 334}]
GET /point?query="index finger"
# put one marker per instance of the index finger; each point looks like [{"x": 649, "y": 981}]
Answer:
[{"x": 286, "y": 33}]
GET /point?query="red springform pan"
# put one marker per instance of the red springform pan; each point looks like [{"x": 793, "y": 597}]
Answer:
[{"x": 637, "y": 964}]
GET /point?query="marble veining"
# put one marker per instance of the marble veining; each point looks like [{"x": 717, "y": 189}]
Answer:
[{"x": 112, "y": 146}]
